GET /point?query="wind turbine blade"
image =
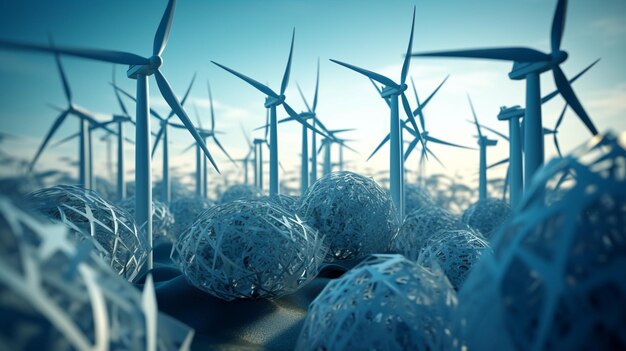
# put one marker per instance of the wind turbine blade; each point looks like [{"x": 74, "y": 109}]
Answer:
[
  {"x": 65, "y": 140},
  {"x": 211, "y": 106},
  {"x": 122, "y": 58},
  {"x": 267, "y": 122},
  {"x": 419, "y": 106},
  {"x": 55, "y": 126},
  {"x": 380, "y": 92},
  {"x": 410, "y": 148},
  {"x": 409, "y": 114},
  {"x": 171, "y": 100},
  {"x": 317, "y": 85},
  {"x": 423, "y": 105},
  {"x": 407, "y": 57},
  {"x": 182, "y": 102},
  {"x": 219, "y": 145},
  {"x": 245, "y": 135},
  {"x": 558, "y": 25},
  {"x": 189, "y": 147},
  {"x": 372, "y": 75},
  {"x": 480, "y": 134},
  {"x": 385, "y": 140},
  {"x": 495, "y": 132},
  {"x": 285, "y": 82},
  {"x": 556, "y": 145},
  {"x": 262, "y": 88},
  {"x": 66, "y": 85},
  {"x": 337, "y": 131},
  {"x": 156, "y": 141},
  {"x": 556, "y": 92},
  {"x": 558, "y": 122},
  {"x": 435, "y": 157},
  {"x": 520, "y": 54},
  {"x": 295, "y": 116},
  {"x": 195, "y": 110},
  {"x": 163, "y": 32},
  {"x": 303, "y": 98},
  {"x": 568, "y": 94},
  {"x": 501, "y": 162},
  {"x": 130, "y": 96},
  {"x": 442, "y": 142},
  {"x": 118, "y": 97}
]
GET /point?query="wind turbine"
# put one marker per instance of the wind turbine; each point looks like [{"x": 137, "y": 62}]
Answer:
[
  {"x": 528, "y": 64},
  {"x": 140, "y": 68},
  {"x": 392, "y": 91},
  {"x": 271, "y": 102},
  {"x": 327, "y": 144},
  {"x": 246, "y": 159},
  {"x": 483, "y": 143}
]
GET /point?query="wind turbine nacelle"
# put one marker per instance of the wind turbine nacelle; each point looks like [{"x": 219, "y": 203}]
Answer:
[
  {"x": 390, "y": 91},
  {"x": 490, "y": 142},
  {"x": 120, "y": 118},
  {"x": 521, "y": 69},
  {"x": 507, "y": 113},
  {"x": 271, "y": 101},
  {"x": 259, "y": 141},
  {"x": 307, "y": 115}
]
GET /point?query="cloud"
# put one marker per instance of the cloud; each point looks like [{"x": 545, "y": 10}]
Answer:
[
  {"x": 610, "y": 26},
  {"x": 610, "y": 101}
]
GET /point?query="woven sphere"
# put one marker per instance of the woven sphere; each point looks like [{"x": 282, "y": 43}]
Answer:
[
  {"x": 455, "y": 251},
  {"x": 185, "y": 211},
  {"x": 55, "y": 295},
  {"x": 486, "y": 215},
  {"x": 87, "y": 214},
  {"x": 419, "y": 226},
  {"x": 556, "y": 279},
  {"x": 385, "y": 303},
  {"x": 240, "y": 192},
  {"x": 416, "y": 197},
  {"x": 356, "y": 216},
  {"x": 162, "y": 218},
  {"x": 249, "y": 249},
  {"x": 289, "y": 203}
]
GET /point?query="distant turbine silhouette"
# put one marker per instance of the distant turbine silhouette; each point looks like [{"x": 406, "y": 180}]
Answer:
[{"x": 483, "y": 143}]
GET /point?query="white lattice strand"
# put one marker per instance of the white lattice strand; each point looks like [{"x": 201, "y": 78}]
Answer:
[
  {"x": 356, "y": 216},
  {"x": 249, "y": 249},
  {"x": 455, "y": 251},
  {"x": 556, "y": 280},
  {"x": 185, "y": 211},
  {"x": 289, "y": 203},
  {"x": 486, "y": 216},
  {"x": 416, "y": 197},
  {"x": 87, "y": 214},
  {"x": 385, "y": 303},
  {"x": 162, "y": 219},
  {"x": 240, "y": 192},
  {"x": 56, "y": 296},
  {"x": 419, "y": 226}
]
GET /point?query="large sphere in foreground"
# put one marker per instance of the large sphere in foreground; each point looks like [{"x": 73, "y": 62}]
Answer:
[
  {"x": 455, "y": 251},
  {"x": 419, "y": 226},
  {"x": 416, "y": 197},
  {"x": 162, "y": 218},
  {"x": 88, "y": 214},
  {"x": 185, "y": 211},
  {"x": 240, "y": 192},
  {"x": 486, "y": 215},
  {"x": 249, "y": 249},
  {"x": 56, "y": 295},
  {"x": 385, "y": 303},
  {"x": 556, "y": 279},
  {"x": 356, "y": 216}
]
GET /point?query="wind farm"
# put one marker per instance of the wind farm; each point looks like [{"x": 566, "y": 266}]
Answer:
[{"x": 481, "y": 205}]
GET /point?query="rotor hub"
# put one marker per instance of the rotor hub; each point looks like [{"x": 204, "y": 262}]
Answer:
[{"x": 156, "y": 61}]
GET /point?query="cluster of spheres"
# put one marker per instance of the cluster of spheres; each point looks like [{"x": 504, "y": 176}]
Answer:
[
  {"x": 486, "y": 215},
  {"x": 240, "y": 192},
  {"x": 62, "y": 296},
  {"x": 249, "y": 249},
  {"x": 89, "y": 215},
  {"x": 162, "y": 218},
  {"x": 385, "y": 303},
  {"x": 355, "y": 215},
  {"x": 454, "y": 251},
  {"x": 419, "y": 226},
  {"x": 185, "y": 211},
  {"x": 556, "y": 278}
]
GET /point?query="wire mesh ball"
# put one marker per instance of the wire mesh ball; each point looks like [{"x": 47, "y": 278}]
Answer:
[
  {"x": 240, "y": 192},
  {"x": 556, "y": 279},
  {"x": 57, "y": 296},
  {"x": 356, "y": 216},
  {"x": 185, "y": 211},
  {"x": 88, "y": 215},
  {"x": 416, "y": 197},
  {"x": 249, "y": 249},
  {"x": 486, "y": 215},
  {"x": 419, "y": 226},
  {"x": 162, "y": 219},
  {"x": 385, "y": 303},
  {"x": 289, "y": 203},
  {"x": 455, "y": 251}
]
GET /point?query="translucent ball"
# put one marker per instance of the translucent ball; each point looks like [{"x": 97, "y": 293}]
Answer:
[
  {"x": 455, "y": 251},
  {"x": 185, "y": 211},
  {"x": 356, "y": 216},
  {"x": 486, "y": 215},
  {"x": 240, "y": 192},
  {"x": 87, "y": 214},
  {"x": 556, "y": 279},
  {"x": 249, "y": 249},
  {"x": 419, "y": 226},
  {"x": 385, "y": 303},
  {"x": 56, "y": 295},
  {"x": 416, "y": 197},
  {"x": 162, "y": 218}
]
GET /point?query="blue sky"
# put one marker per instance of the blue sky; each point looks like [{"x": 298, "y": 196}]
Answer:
[{"x": 253, "y": 38}]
